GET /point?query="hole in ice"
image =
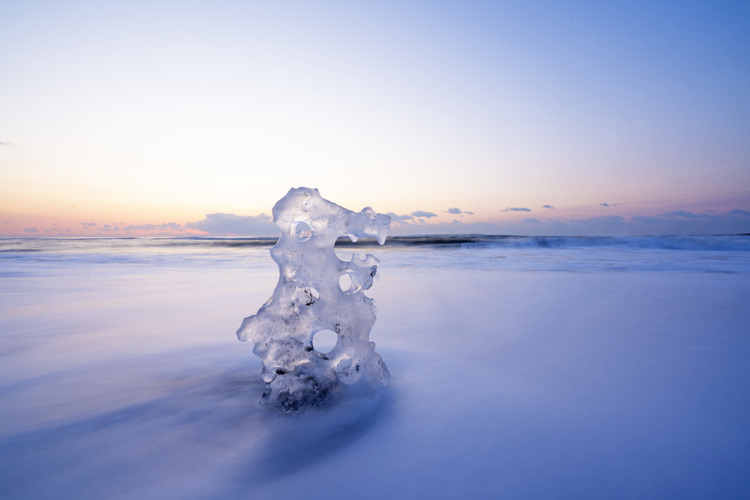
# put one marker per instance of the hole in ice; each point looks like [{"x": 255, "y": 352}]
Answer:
[
  {"x": 345, "y": 256},
  {"x": 324, "y": 341},
  {"x": 302, "y": 231},
  {"x": 347, "y": 283}
]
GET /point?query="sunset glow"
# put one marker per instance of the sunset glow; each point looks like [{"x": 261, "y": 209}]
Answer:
[{"x": 145, "y": 118}]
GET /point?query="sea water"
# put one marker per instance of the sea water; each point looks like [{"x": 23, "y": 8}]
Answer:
[{"x": 520, "y": 367}]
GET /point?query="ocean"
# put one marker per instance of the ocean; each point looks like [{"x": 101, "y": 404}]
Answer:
[{"x": 521, "y": 367}]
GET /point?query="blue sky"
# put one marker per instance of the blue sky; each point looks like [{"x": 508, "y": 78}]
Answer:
[{"x": 536, "y": 117}]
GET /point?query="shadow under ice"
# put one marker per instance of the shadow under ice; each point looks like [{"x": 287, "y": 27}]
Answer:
[{"x": 295, "y": 442}]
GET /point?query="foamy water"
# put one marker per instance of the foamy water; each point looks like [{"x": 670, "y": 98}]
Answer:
[{"x": 521, "y": 367}]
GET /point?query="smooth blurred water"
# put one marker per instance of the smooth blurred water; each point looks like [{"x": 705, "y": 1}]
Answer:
[{"x": 581, "y": 368}]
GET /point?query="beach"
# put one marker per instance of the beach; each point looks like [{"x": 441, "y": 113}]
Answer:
[{"x": 520, "y": 368}]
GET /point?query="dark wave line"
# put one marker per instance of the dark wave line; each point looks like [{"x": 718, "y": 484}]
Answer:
[
  {"x": 739, "y": 242},
  {"x": 711, "y": 242}
]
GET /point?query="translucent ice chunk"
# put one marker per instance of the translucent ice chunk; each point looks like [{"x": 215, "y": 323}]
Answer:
[{"x": 318, "y": 297}]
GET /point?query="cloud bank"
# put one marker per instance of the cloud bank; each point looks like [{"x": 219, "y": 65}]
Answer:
[
  {"x": 167, "y": 226},
  {"x": 220, "y": 224},
  {"x": 676, "y": 222},
  {"x": 458, "y": 211},
  {"x": 423, "y": 214},
  {"x": 400, "y": 219},
  {"x": 736, "y": 221}
]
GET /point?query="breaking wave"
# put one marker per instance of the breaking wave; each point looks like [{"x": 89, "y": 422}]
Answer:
[
  {"x": 740, "y": 242},
  {"x": 20, "y": 246}
]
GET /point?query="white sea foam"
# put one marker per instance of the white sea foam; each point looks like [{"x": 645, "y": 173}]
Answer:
[{"x": 719, "y": 253}]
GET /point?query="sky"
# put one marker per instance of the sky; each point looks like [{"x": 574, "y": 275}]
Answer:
[{"x": 509, "y": 117}]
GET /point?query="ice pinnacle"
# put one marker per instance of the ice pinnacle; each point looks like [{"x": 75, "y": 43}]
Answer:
[{"x": 318, "y": 295}]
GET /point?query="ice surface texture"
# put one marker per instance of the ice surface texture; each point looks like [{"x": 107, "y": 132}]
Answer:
[{"x": 318, "y": 295}]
